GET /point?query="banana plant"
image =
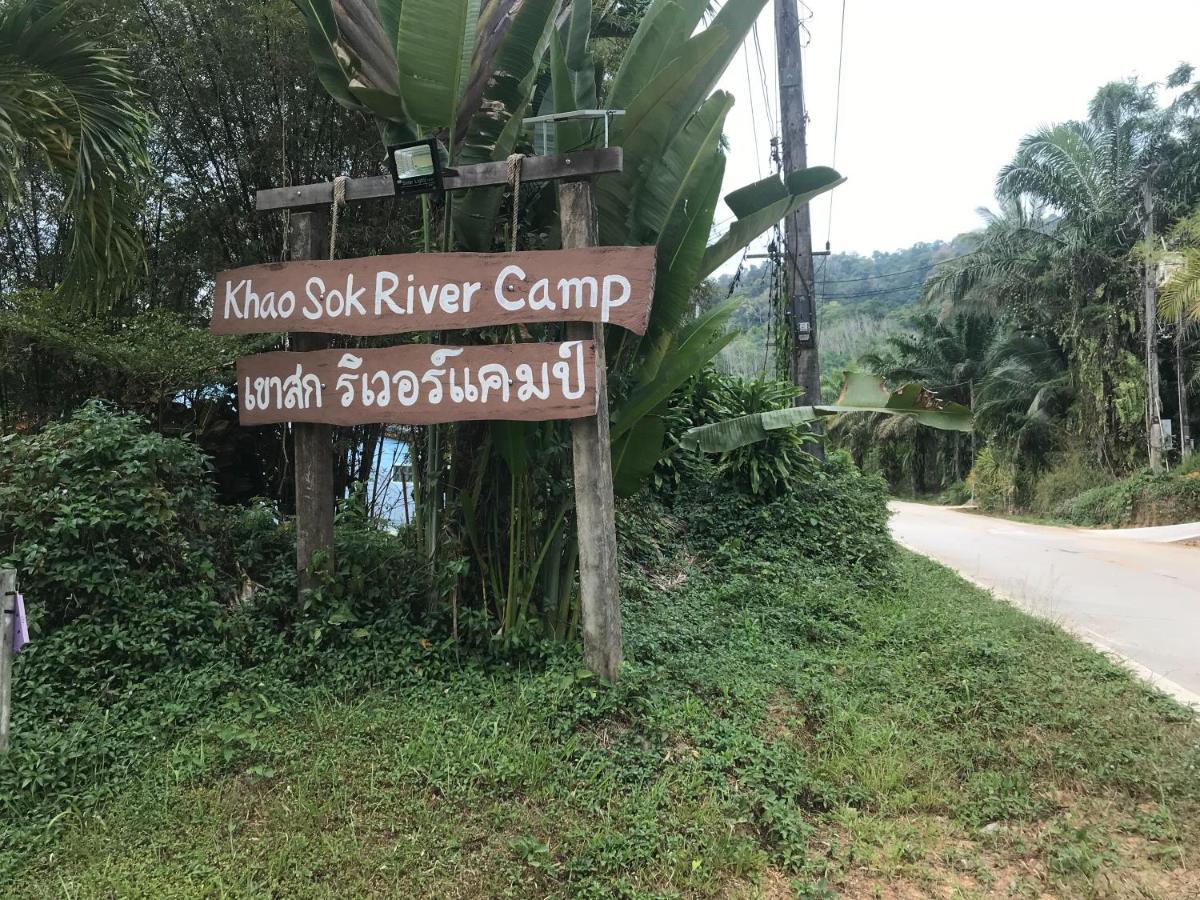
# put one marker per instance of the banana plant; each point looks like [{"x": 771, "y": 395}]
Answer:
[
  {"x": 861, "y": 392},
  {"x": 468, "y": 71}
]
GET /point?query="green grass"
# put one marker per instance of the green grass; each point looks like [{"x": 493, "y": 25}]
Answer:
[{"x": 780, "y": 730}]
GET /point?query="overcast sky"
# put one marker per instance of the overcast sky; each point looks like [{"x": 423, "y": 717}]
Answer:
[{"x": 935, "y": 96}]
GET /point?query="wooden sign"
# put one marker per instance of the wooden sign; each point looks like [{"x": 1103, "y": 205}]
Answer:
[
  {"x": 438, "y": 291},
  {"x": 419, "y": 384}
]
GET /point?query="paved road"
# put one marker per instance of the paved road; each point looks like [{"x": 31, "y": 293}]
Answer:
[{"x": 1127, "y": 592}]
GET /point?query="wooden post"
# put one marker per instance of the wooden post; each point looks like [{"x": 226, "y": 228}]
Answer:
[
  {"x": 599, "y": 594},
  {"x": 308, "y": 238},
  {"x": 8, "y": 616}
]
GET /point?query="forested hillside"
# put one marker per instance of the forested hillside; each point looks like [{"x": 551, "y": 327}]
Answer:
[{"x": 861, "y": 300}]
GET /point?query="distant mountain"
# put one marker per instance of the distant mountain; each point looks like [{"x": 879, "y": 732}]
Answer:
[{"x": 860, "y": 300}]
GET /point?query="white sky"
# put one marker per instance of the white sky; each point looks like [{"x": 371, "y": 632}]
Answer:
[{"x": 935, "y": 96}]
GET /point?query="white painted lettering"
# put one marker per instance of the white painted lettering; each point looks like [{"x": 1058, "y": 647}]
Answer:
[
  {"x": 506, "y": 294},
  {"x": 385, "y": 285},
  {"x": 608, "y": 299},
  {"x": 451, "y": 294},
  {"x": 314, "y": 290}
]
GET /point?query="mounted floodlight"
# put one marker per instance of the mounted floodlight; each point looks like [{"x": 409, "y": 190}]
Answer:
[
  {"x": 416, "y": 166},
  {"x": 575, "y": 115}
]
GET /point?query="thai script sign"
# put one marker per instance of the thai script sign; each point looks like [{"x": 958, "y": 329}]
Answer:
[
  {"x": 439, "y": 291},
  {"x": 419, "y": 384}
]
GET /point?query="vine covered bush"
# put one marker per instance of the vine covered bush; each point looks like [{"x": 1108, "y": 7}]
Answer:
[
  {"x": 837, "y": 516},
  {"x": 118, "y": 538}
]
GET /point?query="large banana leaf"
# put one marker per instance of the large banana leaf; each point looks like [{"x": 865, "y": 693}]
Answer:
[
  {"x": 800, "y": 187},
  {"x": 680, "y": 250},
  {"x": 698, "y": 343},
  {"x": 429, "y": 51},
  {"x": 670, "y": 178},
  {"x": 496, "y": 19},
  {"x": 663, "y": 29},
  {"x": 493, "y": 129},
  {"x": 578, "y": 58},
  {"x": 647, "y": 126},
  {"x": 664, "y": 105},
  {"x": 637, "y": 453},
  {"x": 861, "y": 392},
  {"x": 333, "y": 73},
  {"x": 637, "y": 438},
  {"x": 567, "y": 135}
]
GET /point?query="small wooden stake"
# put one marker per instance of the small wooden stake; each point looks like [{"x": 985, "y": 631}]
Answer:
[
  {"x": 308, "y": 239},
  {"x": 599, "y": 594},
  {"x": 8, "y": 617}
]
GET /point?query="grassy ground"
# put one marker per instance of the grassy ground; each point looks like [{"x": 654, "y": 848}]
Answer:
[{"x": 781, "y": 730}]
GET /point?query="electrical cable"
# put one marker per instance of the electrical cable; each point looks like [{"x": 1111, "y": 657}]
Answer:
[
  {"x": 837, "y": 118},
  {"x": 753, "y": 117}
]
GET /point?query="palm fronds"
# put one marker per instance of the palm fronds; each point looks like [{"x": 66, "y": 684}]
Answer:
[{"x": 71, "y": 105}]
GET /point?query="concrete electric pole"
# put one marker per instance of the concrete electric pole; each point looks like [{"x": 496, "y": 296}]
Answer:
[
  {"x": 804, "y": 368},
  {"x": 1150, "y": 296}
]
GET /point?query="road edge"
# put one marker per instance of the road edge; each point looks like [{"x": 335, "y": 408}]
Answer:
[{"x": 1159, "y": 682}]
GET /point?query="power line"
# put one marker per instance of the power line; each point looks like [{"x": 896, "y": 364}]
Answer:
[
  {"x": 932, "y": 265},
  {"x": 837, "y": 118},
  {"x": 895, "y": 290},
  {"x": 753, "y": 117},
  {"x": 883, "y": 275}
]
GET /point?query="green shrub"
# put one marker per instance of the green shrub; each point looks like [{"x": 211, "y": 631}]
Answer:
[
  {"x": 112, "y": 527},
  {"x": 836, "y": 516},
  {"x": 1189, "y": 465},
  {"x": 764, "y": 468},
  {"x": 1068, "y": 477},
  {"x": 994, "y": 482},
  {"x": 150, "y": 603},
  {"x": 1144, "y": 499},
  {"x": 957, "y": 494}
]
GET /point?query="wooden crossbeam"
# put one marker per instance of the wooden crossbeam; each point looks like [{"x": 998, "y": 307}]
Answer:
[{"x": 534, "y": 168}]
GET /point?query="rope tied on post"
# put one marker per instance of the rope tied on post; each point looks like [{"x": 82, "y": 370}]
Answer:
[
  {"x": 515, "y": 161},
  {"x": 339, "y": 200}
]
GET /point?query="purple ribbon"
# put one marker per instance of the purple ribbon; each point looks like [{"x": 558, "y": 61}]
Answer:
[{"x": 20, "y": 626}]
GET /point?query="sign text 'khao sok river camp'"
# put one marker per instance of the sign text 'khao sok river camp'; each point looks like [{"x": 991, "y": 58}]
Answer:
[{"x": 425, "y": 292}]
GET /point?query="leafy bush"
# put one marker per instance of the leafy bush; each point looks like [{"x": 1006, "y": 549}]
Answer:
[
  {"x": 956, "y": 494},
  {"x": 994, "y": 482},
  {"x": 1144, "y": 499},
  {"x": 836, "y": 516},
  {"x": 115, "y": 528},
  {"x": 1069, "y": 477},
  {"x": 150, "y": 602},
  {"x": 764, "y": 468}
]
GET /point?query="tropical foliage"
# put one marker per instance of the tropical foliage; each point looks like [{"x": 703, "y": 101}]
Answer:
[
  {"x": 71, "y": 118},
  {"x": 1042, "y": 326},
  {"x": 469, "y": 74}
]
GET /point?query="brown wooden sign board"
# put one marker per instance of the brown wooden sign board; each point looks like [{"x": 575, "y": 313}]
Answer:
[
  {"x": 419, "y": 384},
  {"x": 438, "y": 291}
]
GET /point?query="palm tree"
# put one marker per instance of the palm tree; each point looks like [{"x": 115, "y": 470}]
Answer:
[
  {"x": 69, "y": 111},
  {"x": 1058, "y": 258}
]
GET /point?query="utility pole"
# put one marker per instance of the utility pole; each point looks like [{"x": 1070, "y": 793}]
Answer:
[
  {"x": 1150, "y": 296},
  {"x": 804, "y": 368},
  {"x": 1185, "y": 431}
]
